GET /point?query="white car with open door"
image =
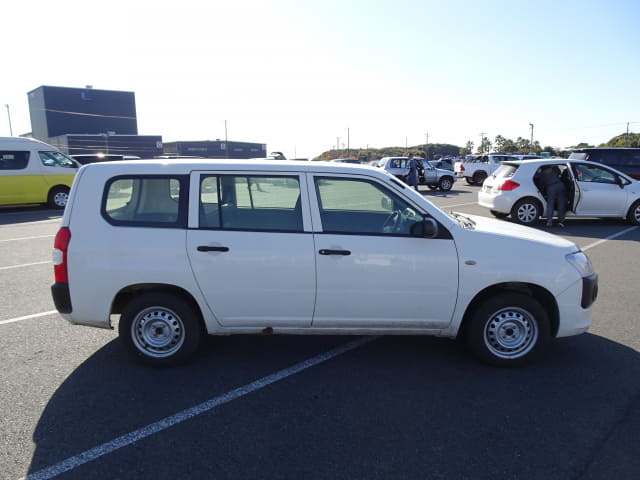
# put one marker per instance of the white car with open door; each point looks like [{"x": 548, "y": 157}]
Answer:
[{"x": 594, "y": 190}]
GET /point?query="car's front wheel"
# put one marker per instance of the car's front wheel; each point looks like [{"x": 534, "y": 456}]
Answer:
[
  {"x": 634, "y": 213},
  {"x": 445, "y": 184},
  {"x": 58, "y": 197},
  {"x": 161, "y": 329},
  {"x": 526, "y": 211},
  {"x": 508, "y": 330}
]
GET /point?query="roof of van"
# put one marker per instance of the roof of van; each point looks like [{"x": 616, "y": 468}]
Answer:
[
  {"x": 181, "y": 166},
  {"x": 27, "y": 140}
]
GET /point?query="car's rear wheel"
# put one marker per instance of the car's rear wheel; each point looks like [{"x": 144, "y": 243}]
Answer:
[
  {"x": 160, "y": 329},
  {"x": 526, "y": 211},
  {"x": 433, "y": 187},
  {"x": 508, "y": 330},
  {"x": 634, "y": 213},
  {"x": 470, "y": 180},
  {"x": 58, "y": 197},
  {"x": 479, "y": 177},
  {"x": 445, "y": 184}
]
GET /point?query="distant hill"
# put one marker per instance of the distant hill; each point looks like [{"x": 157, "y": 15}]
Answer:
[{"x": 370, "y": 154}]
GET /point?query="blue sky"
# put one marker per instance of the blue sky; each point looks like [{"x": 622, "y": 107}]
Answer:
[{"x": 297, "y": 74}]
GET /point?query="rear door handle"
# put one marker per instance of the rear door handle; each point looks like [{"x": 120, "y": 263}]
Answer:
[
  {"x": 207, "y": 248},
  {"x": 334, "y": 252}
]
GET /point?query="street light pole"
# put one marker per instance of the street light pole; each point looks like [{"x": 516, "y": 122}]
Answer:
[
  {"x": 9, "y": 115},
  {"x": 426, "y": 146},
  {"x": 531, "y": 145}
]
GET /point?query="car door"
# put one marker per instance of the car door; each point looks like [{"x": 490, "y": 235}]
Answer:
[
  {"x": 430, "y": 174},
  {"x": 371, "y": 270},
  {"x": 251, "y": 249},
  {"x": 599, "y": 191}
]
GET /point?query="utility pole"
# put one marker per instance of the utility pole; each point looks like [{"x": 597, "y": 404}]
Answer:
[
  {"x": 426, "y": 146},
  {"x": 226, "y": 143},
  {"x": 531, "y": 145},
  {"x": 626, "y": 136},
  {"x": 347, "y": 142},
  {"x": 482, "y": 141},
  {"x": 11, "y": 129}
]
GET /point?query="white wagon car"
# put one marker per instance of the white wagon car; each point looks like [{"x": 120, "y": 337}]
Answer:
[
  {"x": 594, "y": 190},
  {"x": 175, "y": 249}
]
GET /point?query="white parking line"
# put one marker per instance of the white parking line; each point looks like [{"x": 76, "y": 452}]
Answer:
[
  {"x": 610, "y": 237},
  {"x": 442, "y": 207},
  {"x": 25, "y": 238},
  {"x": 27, "y": 317},
  {"x": 24, "y": 265},
  {"x": 132, "y": 437}
]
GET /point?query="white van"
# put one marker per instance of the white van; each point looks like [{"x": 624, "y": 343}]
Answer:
[
  {"x": 172, "y": 250},
  {"x": 34, "y": 172}
]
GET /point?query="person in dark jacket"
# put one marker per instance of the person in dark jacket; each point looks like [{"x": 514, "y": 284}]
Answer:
[
  {"x": 556, "y": 192},
  {"x": 412, "y": 176}
]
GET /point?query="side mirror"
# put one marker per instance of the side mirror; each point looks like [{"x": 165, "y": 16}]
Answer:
[
  {"x": 427, "y": 228},
  {"x": 620, "y": 182}
]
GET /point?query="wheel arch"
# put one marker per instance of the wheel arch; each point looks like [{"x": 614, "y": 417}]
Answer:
[
  {"x": 545, "y": 298},
  {"x": 126, "y": 294}
]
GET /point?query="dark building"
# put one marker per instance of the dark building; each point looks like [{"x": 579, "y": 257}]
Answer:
[
  {"x": 216, "y": 149},
  {"x": 86, "y": 120},
  {"x": 143, "y": 146}
]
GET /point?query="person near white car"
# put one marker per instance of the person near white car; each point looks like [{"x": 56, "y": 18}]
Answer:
[{"x": 556, "y": 193}]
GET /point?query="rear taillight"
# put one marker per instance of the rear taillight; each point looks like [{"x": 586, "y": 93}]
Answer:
[
  {"x": 508, "y": 185},
  {"x": 60, "y": 246}
]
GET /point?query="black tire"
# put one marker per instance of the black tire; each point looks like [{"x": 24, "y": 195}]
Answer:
[
  {"x": 160, "y": 329},
  {"x": 470, "y": 180},
  {"x": 479, "y": 177},
  {"x": 433, "y": 187},
  {"x": 445, "y": 184},
  {"x": 508, "y": 330},
  {"x": 526, "y": 211},
  {"x": 499, "y": 214},
  {"x": 58, "y": 197},
  {"x": 634, "y": 213}
]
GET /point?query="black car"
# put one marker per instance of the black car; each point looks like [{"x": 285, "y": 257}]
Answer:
[{"x": 626, "y": 160}]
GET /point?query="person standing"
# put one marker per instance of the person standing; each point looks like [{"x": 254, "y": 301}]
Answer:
[
  {"x": 412, "y": 176},
  {"x": 556, "y": 194}
]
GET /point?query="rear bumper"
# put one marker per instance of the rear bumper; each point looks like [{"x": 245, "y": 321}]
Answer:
[{"x": 61, "y": 297}]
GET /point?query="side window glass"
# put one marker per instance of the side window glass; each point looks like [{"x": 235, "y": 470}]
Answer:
[
  {"x": 11, "y": 160},
  {"x": 262, "y": 203},
  {"x": 56, "y": 159},
  {"x": 362, "y": 207},
  {"x": 145, "y": 201},
  {"x": 589, "y": 173}
]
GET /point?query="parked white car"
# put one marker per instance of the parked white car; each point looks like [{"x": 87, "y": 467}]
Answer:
[
  {"x": 172, "y": 250},
  {"x": 594, "y": 190}
]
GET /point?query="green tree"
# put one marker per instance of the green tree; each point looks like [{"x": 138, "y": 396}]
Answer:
[{"x": 499, "y": 143}]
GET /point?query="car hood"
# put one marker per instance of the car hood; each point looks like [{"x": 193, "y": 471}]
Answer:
[{"x": 508, "y": 229}]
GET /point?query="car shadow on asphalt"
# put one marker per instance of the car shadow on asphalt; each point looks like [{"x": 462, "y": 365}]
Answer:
[
  {"x": 397, "y": 407},
  {"x": 25, "y": 214}
]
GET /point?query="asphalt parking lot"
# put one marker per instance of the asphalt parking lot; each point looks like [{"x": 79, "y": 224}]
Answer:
[{"x": 74, "y": 405}]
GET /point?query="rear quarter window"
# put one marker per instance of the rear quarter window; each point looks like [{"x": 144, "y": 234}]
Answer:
[{"x": 147, "y": 201}]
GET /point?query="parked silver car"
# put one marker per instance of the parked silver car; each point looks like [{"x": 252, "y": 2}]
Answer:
[
  {"x": 594, "y": 190},
  {"x": 427, "y": 173}
]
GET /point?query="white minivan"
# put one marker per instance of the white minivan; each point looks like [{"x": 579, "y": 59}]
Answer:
[
  {"x": 175, "y": 249},
  {"x": 34, "y": 172}
]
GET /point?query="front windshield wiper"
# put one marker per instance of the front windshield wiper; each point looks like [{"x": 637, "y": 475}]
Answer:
[{"x": 463, "y": 220}]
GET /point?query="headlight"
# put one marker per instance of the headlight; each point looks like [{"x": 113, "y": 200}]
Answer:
[{"x": 581, "y": 263}]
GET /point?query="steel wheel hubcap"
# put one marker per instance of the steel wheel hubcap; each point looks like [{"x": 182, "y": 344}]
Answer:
[
  {"x": 60, "y": 199},
  {"x": 511, "y": 333},
  {"x": 527, "y": 213},
  {"x": 157, "y": 332}
]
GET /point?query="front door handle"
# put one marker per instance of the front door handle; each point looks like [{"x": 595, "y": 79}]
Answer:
[
  {"x": 207, "y": 248},
  {"x": 334, "y": 252}
]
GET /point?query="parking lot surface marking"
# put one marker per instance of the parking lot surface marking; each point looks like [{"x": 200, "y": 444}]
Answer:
[
  {"x": 28, "y": 317},
  {"x": 132, "y": 437},
  {"x": 24, "y": 265},
  {"x": 610, "y": 237},
  {"x": 25, "y": 238}
]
